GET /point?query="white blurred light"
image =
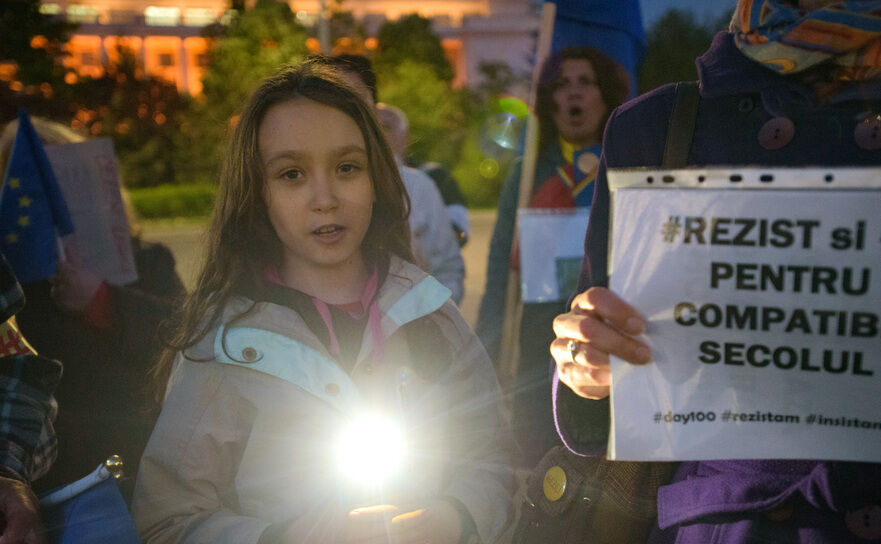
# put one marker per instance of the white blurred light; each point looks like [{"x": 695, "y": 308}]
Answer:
[
  {"x": 371, "y": 449},
  {"x": 161, "y": 16}
]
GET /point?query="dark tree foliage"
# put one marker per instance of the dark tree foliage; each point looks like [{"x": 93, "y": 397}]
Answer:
[
  {"x": 141, "y": 115},
  {"x": 45, "y": 100},
  {"x": 438, "y": 115},
  {"x": 20, "y": 22},
  {"x": 347, "y": 34},
  {"x": 445, "y": 123},
  {"x": 414, "y": 75},
  {"x": 673, "y": 44},
  {"x": 33, "y": 41},
  {"x": 258, "y": 43},
  {"x": 411, "y": 38},
  {"x": 496, "y": 79}
]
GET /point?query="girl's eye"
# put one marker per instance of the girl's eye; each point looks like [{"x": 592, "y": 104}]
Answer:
[
  {"x": 349, "y": 168},
  {"x": 292, "y": 174}
]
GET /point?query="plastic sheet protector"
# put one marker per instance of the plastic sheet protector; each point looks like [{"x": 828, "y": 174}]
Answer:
[
  {"x": 551, "y": 251},
  {"x": 762, "y": 293}
]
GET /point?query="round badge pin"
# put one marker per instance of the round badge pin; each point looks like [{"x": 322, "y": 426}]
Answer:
[{"x": 554, "y": 483}]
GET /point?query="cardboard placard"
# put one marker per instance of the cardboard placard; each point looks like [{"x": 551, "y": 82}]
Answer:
[{"x": 89, "y": 179}]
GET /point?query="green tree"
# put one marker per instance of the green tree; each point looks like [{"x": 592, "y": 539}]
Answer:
[
  {"x": 411, "y": 38},
  {"x": 673, "y": 44},
  {"x": 445, "y": 123},
  {"x": 414, "y": 75},
  {"x": 259, "y": 41},
  {"x": 437, "y": 114},
  {"x": 347, "y": 34},
  {"x": 480, "y": 175},
  {"x": 495, "y": 80}
]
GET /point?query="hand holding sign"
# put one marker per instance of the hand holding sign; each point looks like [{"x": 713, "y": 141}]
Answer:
[
  {"x": 761, "y": 290},
  {"x": 600, "y": 323}
]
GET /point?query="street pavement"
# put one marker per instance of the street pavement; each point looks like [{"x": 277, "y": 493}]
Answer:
[{"x": 186, "y": 241}]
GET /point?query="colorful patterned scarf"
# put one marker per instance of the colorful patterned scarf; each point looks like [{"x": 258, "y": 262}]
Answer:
[{"x": 777, "y": 34}]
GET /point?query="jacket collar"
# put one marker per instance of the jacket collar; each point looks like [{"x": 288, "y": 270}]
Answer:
[
  {"x": 407, "y": 294},
  {"x": 268, "y": 339}
]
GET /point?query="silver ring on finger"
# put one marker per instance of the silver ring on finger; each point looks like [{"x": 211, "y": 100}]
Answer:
[{"x": 573, "y": 346}]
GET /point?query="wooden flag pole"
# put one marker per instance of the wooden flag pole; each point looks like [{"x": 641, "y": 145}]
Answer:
[{"x": 509, "y": 359}]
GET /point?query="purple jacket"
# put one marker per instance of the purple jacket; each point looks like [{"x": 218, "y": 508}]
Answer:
[{"x": 742, "y": 120}]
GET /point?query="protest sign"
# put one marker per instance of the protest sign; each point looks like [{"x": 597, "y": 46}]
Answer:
[
  {"x": 762, "y": 293},
  {"x": 89, "y": 180},
  {"x": 550, "y": 263}
]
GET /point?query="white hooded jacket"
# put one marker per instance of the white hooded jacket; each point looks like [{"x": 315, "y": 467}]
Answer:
[{"x": 245, "y": 437}]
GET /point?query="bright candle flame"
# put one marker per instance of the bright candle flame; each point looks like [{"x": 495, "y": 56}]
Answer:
[{"x": 371, "y": 449}]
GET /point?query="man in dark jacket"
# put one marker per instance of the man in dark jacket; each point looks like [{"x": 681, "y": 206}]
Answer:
[{"x": 821, "y": 107}]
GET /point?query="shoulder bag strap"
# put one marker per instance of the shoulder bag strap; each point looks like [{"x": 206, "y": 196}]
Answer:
[{"x": 680, "y": 129}]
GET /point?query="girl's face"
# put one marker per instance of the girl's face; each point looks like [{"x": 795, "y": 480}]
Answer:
[{"x": 317, "y": 186}]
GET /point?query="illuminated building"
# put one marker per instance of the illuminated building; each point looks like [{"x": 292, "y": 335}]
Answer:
[{"x": 165, "y": 34}]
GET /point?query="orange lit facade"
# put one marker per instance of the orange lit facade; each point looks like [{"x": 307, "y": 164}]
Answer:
[
  {"x": 164, "y": 34},
  {"x": 446, "y": 12}
]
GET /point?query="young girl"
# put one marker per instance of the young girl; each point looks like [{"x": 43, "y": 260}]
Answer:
[{"x": 307, "y": 314}]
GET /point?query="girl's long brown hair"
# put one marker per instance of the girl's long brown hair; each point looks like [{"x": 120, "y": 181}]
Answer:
[{"x": 241, "y": 242}]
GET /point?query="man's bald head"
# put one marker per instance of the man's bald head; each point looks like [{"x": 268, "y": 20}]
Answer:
[{"x": 396, "y": 127}]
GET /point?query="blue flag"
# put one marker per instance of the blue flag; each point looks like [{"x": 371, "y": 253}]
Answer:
[
  {"x": 612, "y": 26},
  {"x": 32, "y": 208},
  {"x": 98, "y": 514}
]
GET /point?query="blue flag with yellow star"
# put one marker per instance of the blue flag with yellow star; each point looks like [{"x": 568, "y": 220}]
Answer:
[{"x": 32, "y": 209}]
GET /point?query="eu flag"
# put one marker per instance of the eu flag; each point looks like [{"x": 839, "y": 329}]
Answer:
[
  {"x": 32, "y": 208},
  {"x": 612, "y": 26}
]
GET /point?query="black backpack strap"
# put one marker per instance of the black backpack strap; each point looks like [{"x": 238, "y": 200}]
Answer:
[{"x": 680, "y": 129}]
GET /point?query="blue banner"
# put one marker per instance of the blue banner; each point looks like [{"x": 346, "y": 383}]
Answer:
[{"x": 612, "y": 26}]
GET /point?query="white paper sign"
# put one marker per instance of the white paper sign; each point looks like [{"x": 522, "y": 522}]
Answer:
[
  {"x": 89, "y": 180},
  {"x": 551, "y": 251},
  {"x": 763, "y": 304}
]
